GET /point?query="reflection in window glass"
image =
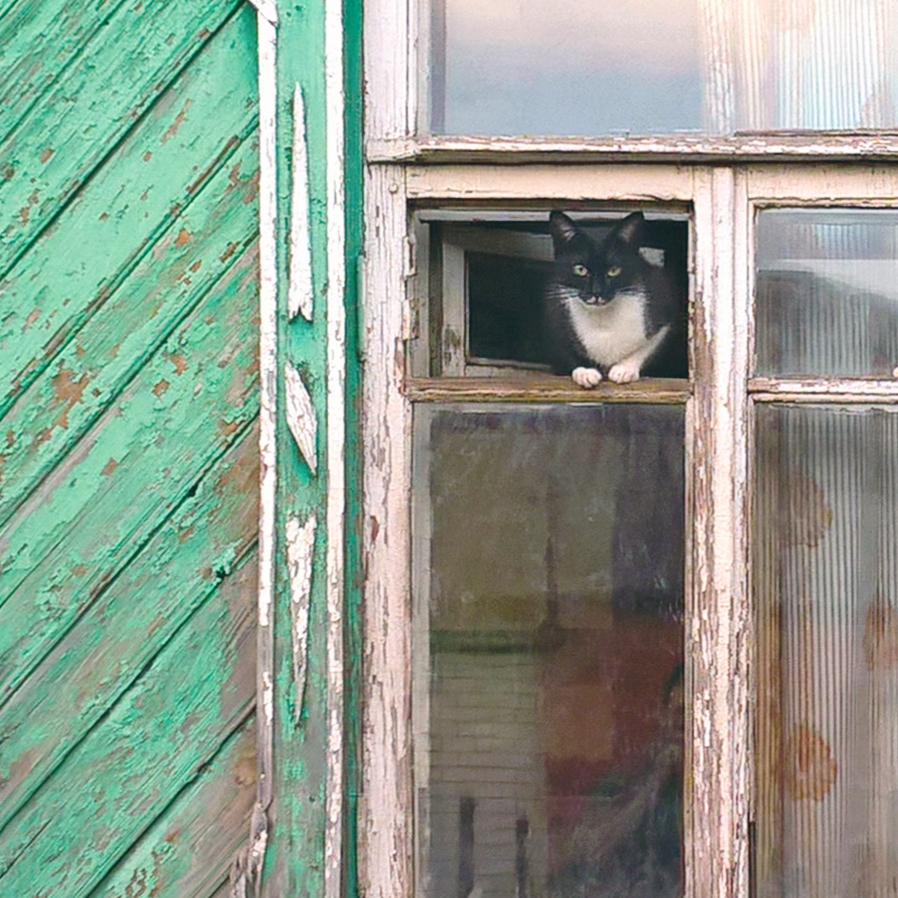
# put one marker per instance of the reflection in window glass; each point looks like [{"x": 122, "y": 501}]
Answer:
[
  {"x": 549, "y": 650},
  {"x": 827, "y": 292},
  {"x": 598, "y": 67},
  {"x": 826, "y": 588}
]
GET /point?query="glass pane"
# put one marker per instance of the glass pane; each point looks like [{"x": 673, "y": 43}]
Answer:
[
  {"x": 598, "y": 67},
  {"x": 549, "y": 650},
  {"x": 826, "y": 296},
  {"x": 826, "y": 587}
]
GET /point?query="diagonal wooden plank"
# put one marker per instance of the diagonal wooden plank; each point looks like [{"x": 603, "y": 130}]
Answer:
[
  {"x": 71, "y": 538},
  {"x": 115, "y": 219},
  {"x": 99, "y": 657},
  {"x": 38, "y": 41},
  {"x": 154, "y": 742},
  {"x": 55, "y": 411},
  {"x": 82, "y": 117},
  {"x": 187, "y": 852}
]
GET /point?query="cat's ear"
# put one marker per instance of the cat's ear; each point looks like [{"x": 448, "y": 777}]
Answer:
[
  {"x": 563, "y": 228},
  {"x": 629, "y": 230}
]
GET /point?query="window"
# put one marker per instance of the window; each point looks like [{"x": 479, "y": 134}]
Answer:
[{"x": 757, "y": 493}]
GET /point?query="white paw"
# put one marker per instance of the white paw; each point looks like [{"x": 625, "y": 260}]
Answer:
[
  {"x": 586, "y": 377},
  {"x": 624, "y": 372}
]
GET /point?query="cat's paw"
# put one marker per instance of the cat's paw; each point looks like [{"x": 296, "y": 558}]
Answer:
[
  {"x": 586, "y": 377},
  {"x": 624, "y": 372}
]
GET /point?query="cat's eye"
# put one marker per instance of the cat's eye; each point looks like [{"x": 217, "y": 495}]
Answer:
[
  {"x": 614, "y": 271},
  {"x": 581, "y": 271}
]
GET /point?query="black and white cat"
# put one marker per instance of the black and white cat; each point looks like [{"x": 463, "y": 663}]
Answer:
[{"x": 609, "y": 312}]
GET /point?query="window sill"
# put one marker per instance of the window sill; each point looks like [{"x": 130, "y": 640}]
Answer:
[
  {"x": 540, "y": 387},
  {"x": 747, "y": 147}
]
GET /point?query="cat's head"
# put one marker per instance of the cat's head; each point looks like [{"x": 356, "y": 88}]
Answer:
[{"x": 595, "y": 272}]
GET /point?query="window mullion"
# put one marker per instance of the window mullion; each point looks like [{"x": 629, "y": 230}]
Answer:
[
  {"x": 385, "y": 818},
  {"x": 719, "y": 620}
]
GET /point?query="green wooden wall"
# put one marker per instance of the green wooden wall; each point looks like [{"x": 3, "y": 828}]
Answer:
[{"x": 128, "y": 444}]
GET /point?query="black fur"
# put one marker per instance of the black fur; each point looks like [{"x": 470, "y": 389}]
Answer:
[{"x": 663, "y": 304}]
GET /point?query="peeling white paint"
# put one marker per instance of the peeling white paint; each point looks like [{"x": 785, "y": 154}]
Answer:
[
  {"x": 771, "y": 146},
  {"x": 300, "y": 295},
  {"x": 247, "y": 867},
  {"x": 300, "y": 551},
  {"x": 267, "y": 10},
  {"x": 267, "y": 697},
  {"x": 268, "y": 360},
  {"x": 301, "y": 418},
  {"x": 336, "y": 416},
  {"x": 651, "y": 183}
]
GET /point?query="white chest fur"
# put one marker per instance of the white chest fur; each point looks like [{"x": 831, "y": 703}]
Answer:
[{"x": 612, "y": 332}]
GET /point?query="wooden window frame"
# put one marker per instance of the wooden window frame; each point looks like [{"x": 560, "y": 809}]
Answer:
[{"x": 724, "y": 181}]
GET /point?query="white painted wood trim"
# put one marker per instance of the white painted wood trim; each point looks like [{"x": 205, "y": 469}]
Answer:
[
  {"x": 386, "y": 835},
  {"x": 300, "y": 296},
  {"x": 300, "y": 554},
  {"x": 335, "y": 104},
  {"x": 268, "y": 361},
  {"x": 387, "y": 37},
  {"x": 871, "y": 185},
  {"x": 624, "y": 183},
  {"x": 453, "y": 336},
  {"x": 718, "y": 611},
  {"x": 246, "y": 871},
  {"x": 267, "y": 9},
  {"x": 761, "y": 146},
  {"x": 301, "y": 417},
  {"x": 385, "y": 824}
]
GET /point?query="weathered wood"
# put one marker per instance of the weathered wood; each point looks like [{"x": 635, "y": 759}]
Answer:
[
  {"x": 151, "y": 745},
  {"x": 301, "y": 416},
  {"x": 717, "y": 612},
  {"x": 526, "y": 387},
  {"x": 268, "y": 413},
  {"x": 72, "y": 537},
  {"x": 108, "y": 646},
  {"x": 114, "y": 221},
  {"x": 301, "y": 297},
  {"x": 128, "y": 392},
  {"x": 119, "y": 75},
  {"x": 40, "y": 40},
  {"x": 391, "y": 146},
  {"x": 819, "y": 389},
  {"x": 335, "y": 114},
  {"x": 187, "y": 260},
  {"x": 386, "y": 826},
  {"x": 187, "y": 850},
  {"x": 386, "y": 831},
  {"x": 872, "y": 185},
  {"x": 536, "y": 183},
  {"x": 300, "y": 539}
]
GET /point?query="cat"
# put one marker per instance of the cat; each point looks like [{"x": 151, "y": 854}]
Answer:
[{"x": 609, "y": 312}]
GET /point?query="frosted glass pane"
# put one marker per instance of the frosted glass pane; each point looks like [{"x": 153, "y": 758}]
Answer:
[
  {"x": 826, "y": 589},
  {"x": 826, "y": 296},
  {"x": 600, "y": 67},
  {"x": 549, "y": 650}
]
